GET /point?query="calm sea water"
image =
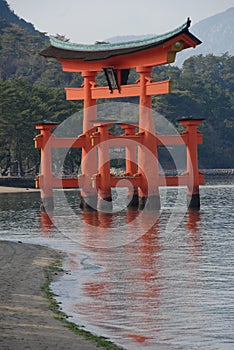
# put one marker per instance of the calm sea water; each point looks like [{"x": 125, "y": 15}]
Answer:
[{"x": 145, "y": 281}]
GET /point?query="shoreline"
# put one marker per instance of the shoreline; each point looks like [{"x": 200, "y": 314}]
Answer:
[
  {"x": 28, "y": 319},
  {"x": 19, "y": 185},
  {"x": 6, "y": 189}
]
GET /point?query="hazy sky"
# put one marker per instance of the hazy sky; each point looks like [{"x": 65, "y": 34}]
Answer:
[{"x": 86, "y": 21}]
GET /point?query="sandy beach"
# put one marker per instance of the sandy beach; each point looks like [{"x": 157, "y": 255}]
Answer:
[
  {"x": 25, "y": 319},
  {"x": 6, "y": 189}
]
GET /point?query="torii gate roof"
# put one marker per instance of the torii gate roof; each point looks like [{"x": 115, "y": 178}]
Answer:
[{"x": 63, "y": 50}]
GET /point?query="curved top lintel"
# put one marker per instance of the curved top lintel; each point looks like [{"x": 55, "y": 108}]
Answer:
[
  {"x": 66, "y": 45},
  {"x": 89, "y": 53}
]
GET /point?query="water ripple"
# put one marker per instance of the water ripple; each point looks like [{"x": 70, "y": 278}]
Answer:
[{"x": 164, "y": 290}]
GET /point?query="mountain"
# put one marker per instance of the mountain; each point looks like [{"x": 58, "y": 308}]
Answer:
[
  {"x": 20, "y": 44},
  {"x": 9, "y": 17},
  {"x": 215, "y": 32},
  {"x": 217, "y": 36},
  {"x": 32, "y": 89},
  {"x": 125, "y": 38}
]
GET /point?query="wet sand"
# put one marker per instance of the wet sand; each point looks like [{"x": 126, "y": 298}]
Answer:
[
  {"x": 6, "y": 189},
  {"x": 25, "y": 319}
]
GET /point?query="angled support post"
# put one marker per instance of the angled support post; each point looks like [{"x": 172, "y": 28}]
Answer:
[
  {"x": 193, "y": 195},
  {"x": 147, "y": 153},
  {"x": 131, "y": 165},
  {"x": 42, "y": 141},
  {"x": 89, "y": 161},
  {"x": 104, "y": 188}
]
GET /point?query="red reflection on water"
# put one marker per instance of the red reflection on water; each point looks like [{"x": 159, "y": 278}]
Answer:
[
  {"x": 138, "y": 338},
  {"x": 193, "y": 220},
  {"x": 129, "y": 271},
  {"x": 92, "y": 237},
  {"x": 147, "y": 263},
  {"x": 131, "y": 280},
  {"x": 47, "y": 225},
  {"x": 92, "y": 232},
  {"x": 96, "y": 290},
  {"x": 90, "y": 218}
]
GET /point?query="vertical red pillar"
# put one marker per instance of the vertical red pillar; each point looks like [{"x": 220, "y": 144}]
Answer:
[
  {"x": 46, "y": 176},
  {"x": 131, "y": 165},
  {"x": 193, "y": 196},
  {"x": 89, "y": 162},
  {"x": 147, "y": 154},
  {"x": 104, "y": 188}
]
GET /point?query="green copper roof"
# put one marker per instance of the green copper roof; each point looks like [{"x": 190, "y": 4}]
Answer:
[
  {"x": 116, "y": 46},
  {"x": 60, "y": 49}
]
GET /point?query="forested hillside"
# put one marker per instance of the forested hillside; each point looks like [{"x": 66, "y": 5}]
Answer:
[
  {"x": 204, "y": 87},
  {"x": 32, "y": 89},
  {"x": 11, "y": 18}
]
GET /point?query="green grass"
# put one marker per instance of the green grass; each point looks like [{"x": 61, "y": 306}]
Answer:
[{"x": 62, "y": 317}]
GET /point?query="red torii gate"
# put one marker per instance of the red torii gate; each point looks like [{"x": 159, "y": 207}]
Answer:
[{"x": 142, "y": 176}]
